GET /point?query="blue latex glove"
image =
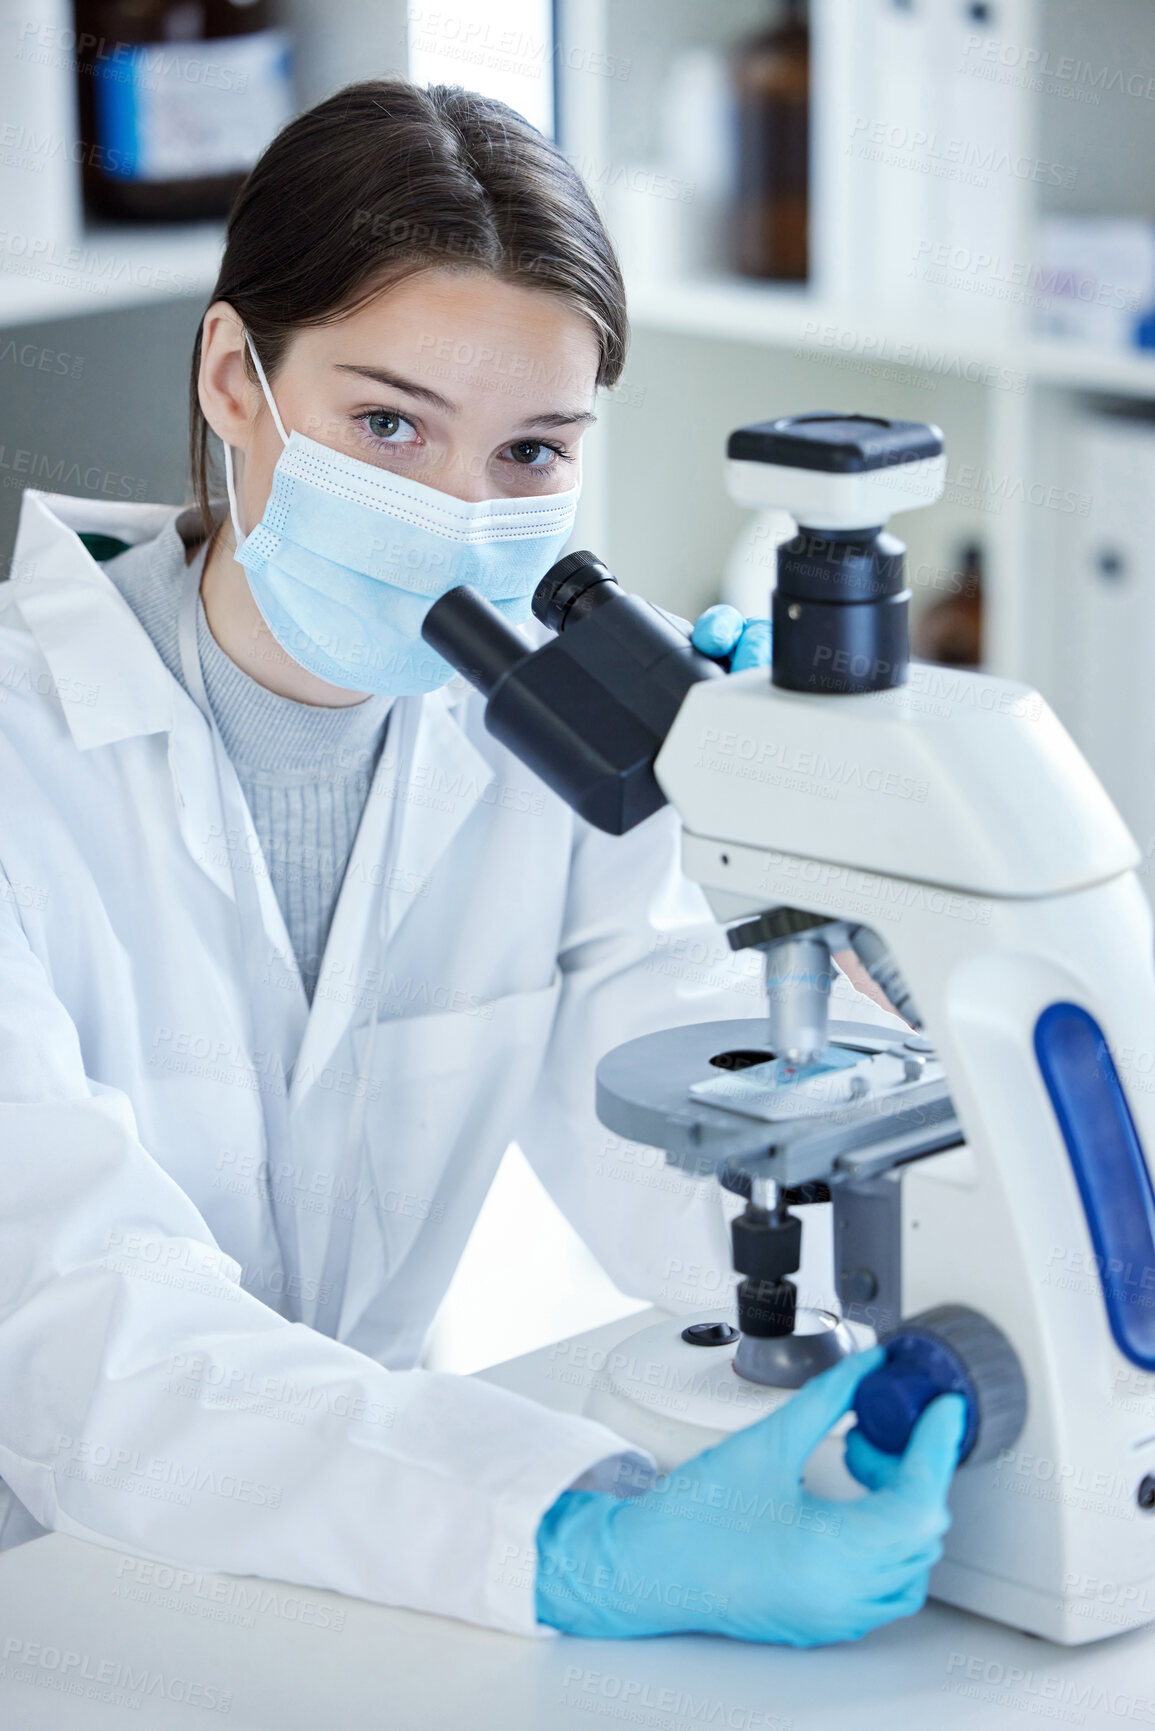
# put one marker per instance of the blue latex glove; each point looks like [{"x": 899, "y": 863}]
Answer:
[
  {"x": 870, "y": 1466},
  {"x": 732, "y": 1544},
  {"x": 721, "y": 631}
]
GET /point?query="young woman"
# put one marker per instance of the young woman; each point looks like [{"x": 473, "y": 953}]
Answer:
[{"x": 291, "y": 948}]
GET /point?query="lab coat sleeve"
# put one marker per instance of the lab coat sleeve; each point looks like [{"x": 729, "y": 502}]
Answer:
[
  {"x": 152, "y": 1405},
  {"x": 640, "y": 951}
]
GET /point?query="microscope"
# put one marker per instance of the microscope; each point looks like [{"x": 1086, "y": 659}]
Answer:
[{"x": 993, "y": 1210}]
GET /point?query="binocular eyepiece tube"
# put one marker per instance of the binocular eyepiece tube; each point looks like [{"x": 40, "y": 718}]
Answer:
[{"x": 589, "y": 710}]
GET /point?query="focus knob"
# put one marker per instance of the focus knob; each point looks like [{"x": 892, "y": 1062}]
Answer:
[{"x": 947, "y": 1350}]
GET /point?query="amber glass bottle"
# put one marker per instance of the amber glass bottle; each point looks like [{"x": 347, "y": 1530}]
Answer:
[
  {"x": 772, "y": 92},
  {"x": 177, "y": 100},
  {"x": 950, "y": 630}
]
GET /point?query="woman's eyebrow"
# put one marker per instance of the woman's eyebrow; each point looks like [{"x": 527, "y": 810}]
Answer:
[
  {"x": 395, "y": 383},
  {"x": 560, "y": 418}
]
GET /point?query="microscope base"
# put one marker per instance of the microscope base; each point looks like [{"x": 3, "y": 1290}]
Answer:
[{"x": 675, "y": 1400}]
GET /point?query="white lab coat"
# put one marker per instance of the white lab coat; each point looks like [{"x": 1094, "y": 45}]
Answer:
[{"x": 163, "y": 1386}]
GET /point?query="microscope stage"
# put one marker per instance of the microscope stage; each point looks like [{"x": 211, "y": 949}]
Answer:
[{"x": 684, "y": 1090}]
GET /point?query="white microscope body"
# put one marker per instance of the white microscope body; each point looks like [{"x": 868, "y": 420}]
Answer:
[
  {"x": 1011, "y": 886},
  {"x": 993, "y": 1208},
  {"x": 954, "y": 815}
]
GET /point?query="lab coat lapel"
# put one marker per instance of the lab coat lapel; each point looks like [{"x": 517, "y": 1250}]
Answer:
[
  {"x": 429, "y": 779},
  {"x": 112, "y": 684},
  {"x": 199, "y": 814},
  {"x": 109, "y": 680},
  {"x": 434, "y": 780}
]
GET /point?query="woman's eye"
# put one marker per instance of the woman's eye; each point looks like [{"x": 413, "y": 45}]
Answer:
[
  {"x": 389, "y": 427},
  {"x": 532, "y": 454}
]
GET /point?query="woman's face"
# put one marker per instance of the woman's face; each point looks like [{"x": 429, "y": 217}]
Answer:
[{"x": 474, "y": 386}]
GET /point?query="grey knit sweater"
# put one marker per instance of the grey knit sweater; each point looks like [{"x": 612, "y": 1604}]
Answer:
[{"x": 305, "y": 771}]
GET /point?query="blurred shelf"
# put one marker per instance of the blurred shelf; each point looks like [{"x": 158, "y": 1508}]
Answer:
[
  {"x": 1129, "y": 373},
  {"x": 107, "y": 267},
  {"x": 725, "y": 307},
  {"x": 788, "y": 317}
]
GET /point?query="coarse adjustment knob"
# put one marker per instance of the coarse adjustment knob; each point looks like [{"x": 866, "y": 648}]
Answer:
[
  {"x": 765, "y": 1246},
  {"x": 947, "y": 1350}
]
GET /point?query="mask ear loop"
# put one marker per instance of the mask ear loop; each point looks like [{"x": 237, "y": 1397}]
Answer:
[
  {"x": 238, "y": 532},
  {"x": 230, "y": 483},
  {"x": 277, "y": 422}
]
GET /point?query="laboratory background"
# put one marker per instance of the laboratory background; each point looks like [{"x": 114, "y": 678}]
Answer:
[{"x": 936, "y": 210}]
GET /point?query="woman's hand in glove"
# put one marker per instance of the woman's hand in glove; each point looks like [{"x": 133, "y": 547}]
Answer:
[
  {"x": 731, "y": 1543},
  {"x": 721, "y": 632}
]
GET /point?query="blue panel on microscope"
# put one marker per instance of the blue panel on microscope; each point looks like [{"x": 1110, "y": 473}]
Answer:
[{"x": 1110, "y": 1170}]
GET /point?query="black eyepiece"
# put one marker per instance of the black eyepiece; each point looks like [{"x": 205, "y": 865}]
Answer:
[
  {"x": 467, "y": 631},
  {"x": 840, "y": 612},
  {"x": 566, "y": 586},
  {"x": 588, "y": 710}
]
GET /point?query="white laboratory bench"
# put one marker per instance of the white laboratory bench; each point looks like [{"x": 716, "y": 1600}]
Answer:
[{"x": 298, "y": 1659}]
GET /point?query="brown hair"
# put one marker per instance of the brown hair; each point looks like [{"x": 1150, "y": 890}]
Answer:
[{"x": 385, "y": 179}]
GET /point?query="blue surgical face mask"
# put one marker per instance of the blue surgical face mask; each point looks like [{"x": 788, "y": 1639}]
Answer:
[{"x": 347, "y": 559}]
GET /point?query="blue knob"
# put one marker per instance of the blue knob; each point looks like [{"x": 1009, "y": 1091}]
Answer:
[{"x": 917, "y": 1369}]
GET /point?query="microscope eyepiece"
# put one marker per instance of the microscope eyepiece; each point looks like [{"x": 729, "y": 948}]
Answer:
[
  {"x": 589, "y": 710},
  {"x": 569, "y": 586},
  {"x": 840, "y": 612},
  {"x": 467, "y": 631}
]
